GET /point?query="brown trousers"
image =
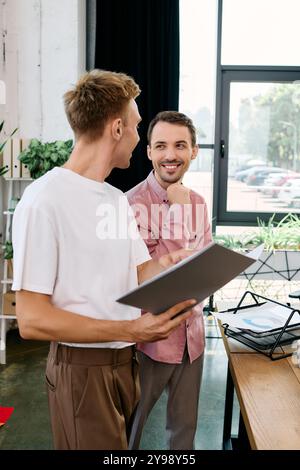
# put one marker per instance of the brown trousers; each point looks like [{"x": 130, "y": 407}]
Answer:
[
  {"x": 182, "y": 382},
  {"x": 92, "y": 396}
]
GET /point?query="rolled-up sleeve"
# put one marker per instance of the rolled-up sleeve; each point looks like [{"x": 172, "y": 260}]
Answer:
[{"x": 35, "y": 251}]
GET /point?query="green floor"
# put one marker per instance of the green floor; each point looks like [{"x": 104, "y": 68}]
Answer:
[{"x": 22, "y": 386}]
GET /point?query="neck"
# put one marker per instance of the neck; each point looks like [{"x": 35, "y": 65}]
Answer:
[{"x": 91, "y": 159}]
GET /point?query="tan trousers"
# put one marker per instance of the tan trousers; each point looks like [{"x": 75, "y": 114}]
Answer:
[
  {"x": 92, "y": 396},
  {"x": 182, "y": 382}
]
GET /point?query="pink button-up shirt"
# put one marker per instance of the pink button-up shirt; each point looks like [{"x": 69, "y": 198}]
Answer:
[{"x": 167, "y": 228}]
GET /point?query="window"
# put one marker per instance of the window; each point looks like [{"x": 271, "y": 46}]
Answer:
[
  {"x": 257, "y": 131},
  {"x": 260, "y": 136},
  {"x": 260, "y": 32},
  {"x": 198, "y": 40},
  {"x": 240, "y": 83}
]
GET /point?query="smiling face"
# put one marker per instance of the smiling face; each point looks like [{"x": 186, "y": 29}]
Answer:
[{"x": 171, "y": 152}]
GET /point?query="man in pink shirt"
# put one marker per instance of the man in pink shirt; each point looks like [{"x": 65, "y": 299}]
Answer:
[{"x": 171, "y": 216}]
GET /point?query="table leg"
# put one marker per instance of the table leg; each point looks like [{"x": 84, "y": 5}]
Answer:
[
  {"x": 227, "y": 445},
  {"x": 242, "y": 438}
]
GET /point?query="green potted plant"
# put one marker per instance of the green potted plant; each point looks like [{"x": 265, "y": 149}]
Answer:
[
  {"x": 280, "y": 260},
  {"x": 42, "y": 157},
  {"x": 283, "y": 235},
  {"x": 8, "y": 254}
]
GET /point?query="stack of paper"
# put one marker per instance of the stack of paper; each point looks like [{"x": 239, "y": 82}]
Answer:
[{"x": 268, "y": 316}]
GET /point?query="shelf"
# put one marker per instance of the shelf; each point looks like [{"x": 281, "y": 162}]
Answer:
[
  {"x": 18, "y": 179},
  {"x": 14, "y": 186}
]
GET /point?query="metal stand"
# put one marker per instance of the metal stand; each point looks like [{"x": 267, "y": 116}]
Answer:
[{"x": 211, "y": 308}]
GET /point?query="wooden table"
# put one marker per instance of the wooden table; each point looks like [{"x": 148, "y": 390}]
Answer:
[{"x": 269, "y": 398}]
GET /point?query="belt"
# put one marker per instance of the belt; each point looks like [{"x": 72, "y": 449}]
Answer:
[{"x": 90, "y": 356}]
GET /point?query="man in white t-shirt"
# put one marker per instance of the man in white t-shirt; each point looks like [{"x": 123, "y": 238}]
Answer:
[{"x": 76, "y": 250}]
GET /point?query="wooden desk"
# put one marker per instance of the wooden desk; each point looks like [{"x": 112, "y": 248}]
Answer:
[{"x": 269, "y": 398}]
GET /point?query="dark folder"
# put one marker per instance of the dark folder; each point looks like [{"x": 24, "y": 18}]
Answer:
[{"x": 195, "y": 277}]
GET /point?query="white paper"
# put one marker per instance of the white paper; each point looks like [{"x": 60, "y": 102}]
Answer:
[{"x": 264, "y": 318}]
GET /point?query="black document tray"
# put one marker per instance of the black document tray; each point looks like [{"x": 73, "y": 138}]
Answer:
[{"x": 271, "y": 342}]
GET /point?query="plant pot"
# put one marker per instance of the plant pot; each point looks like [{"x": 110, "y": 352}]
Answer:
[
  {"x": 10, "y": 268},
  {"x": 9, "y": 303},
  {"x": 274, "y": 276},
  {"x": 275, "y": 265}
]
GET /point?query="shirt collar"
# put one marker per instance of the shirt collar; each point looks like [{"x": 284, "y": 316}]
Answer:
[{"x": 157, "y": 188}]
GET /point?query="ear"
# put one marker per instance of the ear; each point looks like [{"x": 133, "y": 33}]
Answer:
[
  {"x": 195, "y": 152},
  {"x": 117, "y": 129},
  {"x": 149, "y": 152}
]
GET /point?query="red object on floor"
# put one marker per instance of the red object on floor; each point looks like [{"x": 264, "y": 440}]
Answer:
[{"x": 5, "y": 414}]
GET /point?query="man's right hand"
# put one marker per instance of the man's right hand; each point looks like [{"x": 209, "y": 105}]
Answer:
[
  {"x": 178, "y": 194},
  {"x": 39, "y": 319},
  {"x": 149, "y": 327}
]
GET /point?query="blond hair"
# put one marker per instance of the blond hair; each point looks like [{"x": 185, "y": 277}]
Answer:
[{"x": 98, "y": 96}]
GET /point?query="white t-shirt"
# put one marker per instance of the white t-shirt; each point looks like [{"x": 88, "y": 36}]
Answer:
[{"x": 76, "y": 239}]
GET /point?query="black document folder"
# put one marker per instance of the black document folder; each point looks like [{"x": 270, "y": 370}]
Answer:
[{"x": 195, "y": 277}]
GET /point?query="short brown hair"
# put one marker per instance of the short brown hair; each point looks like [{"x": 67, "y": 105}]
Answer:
[
  {"x": 173, "y": 117},
  {"x": 98, "y": 96}
]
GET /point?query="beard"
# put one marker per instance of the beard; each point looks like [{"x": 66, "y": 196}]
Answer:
[
  {"x": 171, "y": 175},
  {"x": 169, "y": 178}
]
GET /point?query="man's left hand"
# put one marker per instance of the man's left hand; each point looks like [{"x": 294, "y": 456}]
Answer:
[{"x": 174, "y": 257}]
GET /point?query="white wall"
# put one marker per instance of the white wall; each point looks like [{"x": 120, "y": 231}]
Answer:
[
  {"x": 8, "y": 61},
  {"x": 44, "y": 56},
  {"x": 42, "y": 53},
  {"x": 62, "y": 60}
]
